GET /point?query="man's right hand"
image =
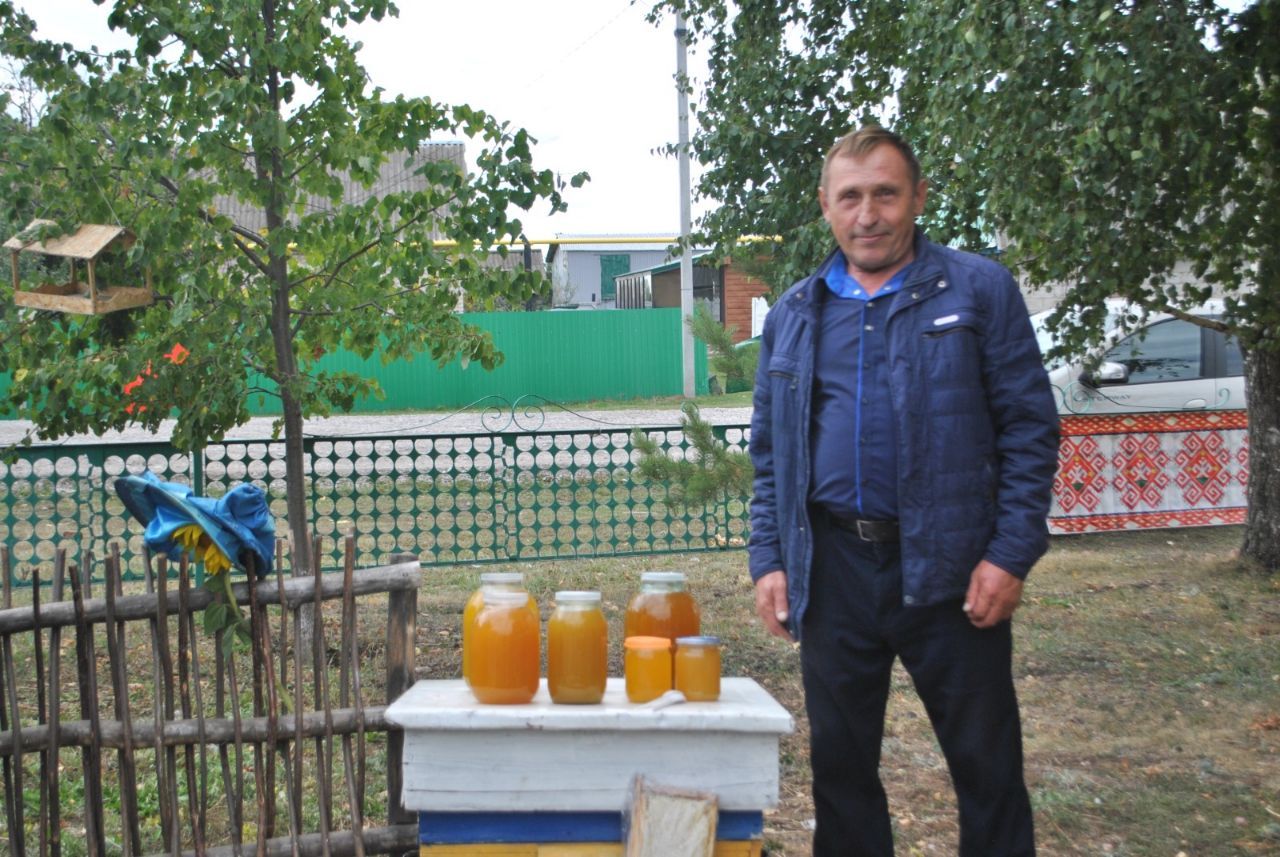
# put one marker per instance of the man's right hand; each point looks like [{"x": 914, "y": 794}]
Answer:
[{"x": 771, "y": 603}]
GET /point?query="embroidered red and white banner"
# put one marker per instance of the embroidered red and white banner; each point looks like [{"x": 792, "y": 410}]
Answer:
[{"x": 1150, "y": 471}]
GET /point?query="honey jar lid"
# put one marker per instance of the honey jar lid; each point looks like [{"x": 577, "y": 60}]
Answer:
[
  {"x": 490, "y": 577},
  {"x": 578, "y": 596},
  {"x": 697, "y": 641},
  {"x": 646, "y": 643},
  {"x": 662, "y": 577},
  {"x": 505, "y": 598}
]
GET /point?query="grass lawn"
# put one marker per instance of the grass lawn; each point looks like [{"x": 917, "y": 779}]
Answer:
[
  {"x": 1148, "y": 666},
  {"x": 1147, "y": 663}
]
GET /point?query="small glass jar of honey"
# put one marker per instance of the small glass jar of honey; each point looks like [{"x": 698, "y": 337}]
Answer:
[
  {"x": 506, "y": 581},
  {"x": 648, "y": 667},
  {"x": 662, "y": 608},
  {"x": 577, "y": 649},
  {"x": 505, "y": 648},
  {"x": 697, "y": 668}
]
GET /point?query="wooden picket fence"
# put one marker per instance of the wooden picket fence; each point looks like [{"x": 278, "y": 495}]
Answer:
[{"x": 206, "y": 747}]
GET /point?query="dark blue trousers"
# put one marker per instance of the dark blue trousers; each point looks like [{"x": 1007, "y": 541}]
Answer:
[{"x": 854, "y": 627}]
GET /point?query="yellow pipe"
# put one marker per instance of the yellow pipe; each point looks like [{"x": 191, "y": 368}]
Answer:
[
  {"x": 629, "y": 239},
  {"x": 446, "y": 243},
  {"x": 651, "y": 239}
]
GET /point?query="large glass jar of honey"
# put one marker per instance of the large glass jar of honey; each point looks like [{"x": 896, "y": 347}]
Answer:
[
  {"x": 663, "y": 608},
  {"x": 648, "y": 667},
  {"x": 505, "y": 644},
  {"x": 507, "y": 581},
  {"x": 577, "y": 649},
  {"x": 697, "y": 668}
]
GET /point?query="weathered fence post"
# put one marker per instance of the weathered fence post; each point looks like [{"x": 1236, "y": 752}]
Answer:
[
  {"x": 108, "y": 745},
  {"x": 402, "y": 631}
]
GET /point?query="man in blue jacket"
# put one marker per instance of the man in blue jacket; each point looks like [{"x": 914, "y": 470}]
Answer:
[{"x": 905, "y": 441}]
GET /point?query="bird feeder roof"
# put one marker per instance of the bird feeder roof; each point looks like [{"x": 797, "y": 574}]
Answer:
[{"x": 85, "y": 243}]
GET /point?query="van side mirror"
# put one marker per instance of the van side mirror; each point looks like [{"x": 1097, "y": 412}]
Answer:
[{"x": 1107, "y": 374}]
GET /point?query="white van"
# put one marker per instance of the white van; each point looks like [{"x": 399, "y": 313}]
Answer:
[{"x": 1164, "y": 364}]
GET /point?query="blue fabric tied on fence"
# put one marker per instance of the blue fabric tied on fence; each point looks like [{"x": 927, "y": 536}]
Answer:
[{"x": 239, "y": 522}]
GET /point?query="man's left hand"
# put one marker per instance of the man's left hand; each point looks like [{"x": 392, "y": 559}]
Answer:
[{"x": 993, "y": 595}]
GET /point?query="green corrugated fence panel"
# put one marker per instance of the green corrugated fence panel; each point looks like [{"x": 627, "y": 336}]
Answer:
[
  {"x": 563, "y": 356},
  {"x": 5, "y": 381}
]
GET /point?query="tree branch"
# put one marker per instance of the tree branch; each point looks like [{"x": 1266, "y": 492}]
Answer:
[
  {"x": 169, "y": 185},
  {"x": 379, "y": 304},
  {"x": 244, "y": 153},
  {"x": 222, "y": 65},
  {"x": 333, "y": 273},
  {"x": 1199, "y": 320},
  {"x": 257, "y": 261},
  {"x": 308, "y": 162},
  {"x": 254, "y": 366}
]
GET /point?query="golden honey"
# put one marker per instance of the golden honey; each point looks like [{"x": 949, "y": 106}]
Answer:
[
  {"x": 662, "y": 608},
  {"x": 697, "y": 668},
  {"x": 577, "y": 649},
  {"x": 648, "y": 667},
  {"x": 510, "y": 581},
  {"x": 505, "y": 649}
]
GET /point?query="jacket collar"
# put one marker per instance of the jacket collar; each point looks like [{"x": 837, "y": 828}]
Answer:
[
  {"x": 925, "y": 267},
  {"x": 926, "y": 263}
]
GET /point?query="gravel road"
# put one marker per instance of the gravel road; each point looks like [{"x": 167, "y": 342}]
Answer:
[{"x": 545, "y": 418}]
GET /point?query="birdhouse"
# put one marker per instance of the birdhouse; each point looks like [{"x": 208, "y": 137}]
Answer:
[{"x": 83, "y": 250}]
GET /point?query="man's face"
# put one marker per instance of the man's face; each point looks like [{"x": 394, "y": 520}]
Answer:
[{"x": 871, "y": 207}]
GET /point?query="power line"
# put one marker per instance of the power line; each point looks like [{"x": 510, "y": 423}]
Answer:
[{"x": 627, "y": 4}]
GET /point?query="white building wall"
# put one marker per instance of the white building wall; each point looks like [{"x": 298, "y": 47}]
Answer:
[{"x": 575, "y": 271}]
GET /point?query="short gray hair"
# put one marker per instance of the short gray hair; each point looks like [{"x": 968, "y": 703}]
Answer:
[{"x": 859, "y": 143}]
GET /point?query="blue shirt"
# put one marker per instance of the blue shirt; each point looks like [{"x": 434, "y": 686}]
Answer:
[{"x": 852, "y": 431}]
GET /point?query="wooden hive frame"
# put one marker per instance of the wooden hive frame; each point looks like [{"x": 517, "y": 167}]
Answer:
[{"x": 86, "y": 245}]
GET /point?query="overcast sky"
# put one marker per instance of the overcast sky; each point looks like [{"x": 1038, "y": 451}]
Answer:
[{"x": 590, "y": 79}]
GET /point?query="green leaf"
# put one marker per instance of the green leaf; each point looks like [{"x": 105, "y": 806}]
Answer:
[{"x": 215, "y": 617}]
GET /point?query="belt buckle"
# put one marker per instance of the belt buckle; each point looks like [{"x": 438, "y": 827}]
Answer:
[{"x": 861, "y": 534}]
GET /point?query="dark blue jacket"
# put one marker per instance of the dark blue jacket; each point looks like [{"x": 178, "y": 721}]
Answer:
[{"x": 976, "y": 423}]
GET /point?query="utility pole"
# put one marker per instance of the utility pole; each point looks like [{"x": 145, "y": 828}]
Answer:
[{"x": 686, "y": 254}]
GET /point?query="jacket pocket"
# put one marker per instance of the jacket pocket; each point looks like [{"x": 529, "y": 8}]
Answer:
[
  {"x": 951, "y": 346},
  {"x": 784, "y": 372},
  {"x": 960, "y": 321},
  {"x": 784, "y": 415}
]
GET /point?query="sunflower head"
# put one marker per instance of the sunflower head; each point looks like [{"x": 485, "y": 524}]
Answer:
[{"x": 193, "y": 539}]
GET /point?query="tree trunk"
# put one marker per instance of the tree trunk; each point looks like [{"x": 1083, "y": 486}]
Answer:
[
  {"x": 1260, "y": 26},
  {"x": 271, "y": 171},
  {"x": 295, "y": 481},
  {"x": 300, "y": 558},
  {"x": 1262, "y": 530}
]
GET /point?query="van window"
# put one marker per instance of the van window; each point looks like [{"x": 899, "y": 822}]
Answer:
[
  {"x": 1166, "y": 351},
  {"x": 1234, "y": 359}
]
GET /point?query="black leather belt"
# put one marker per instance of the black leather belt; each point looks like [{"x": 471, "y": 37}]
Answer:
[{"x": 868, "y": 531}]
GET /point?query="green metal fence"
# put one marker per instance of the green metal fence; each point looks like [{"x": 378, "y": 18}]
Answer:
[
  {"x": 567, "y": 356},
  {"x": 476, "y": 498}
]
